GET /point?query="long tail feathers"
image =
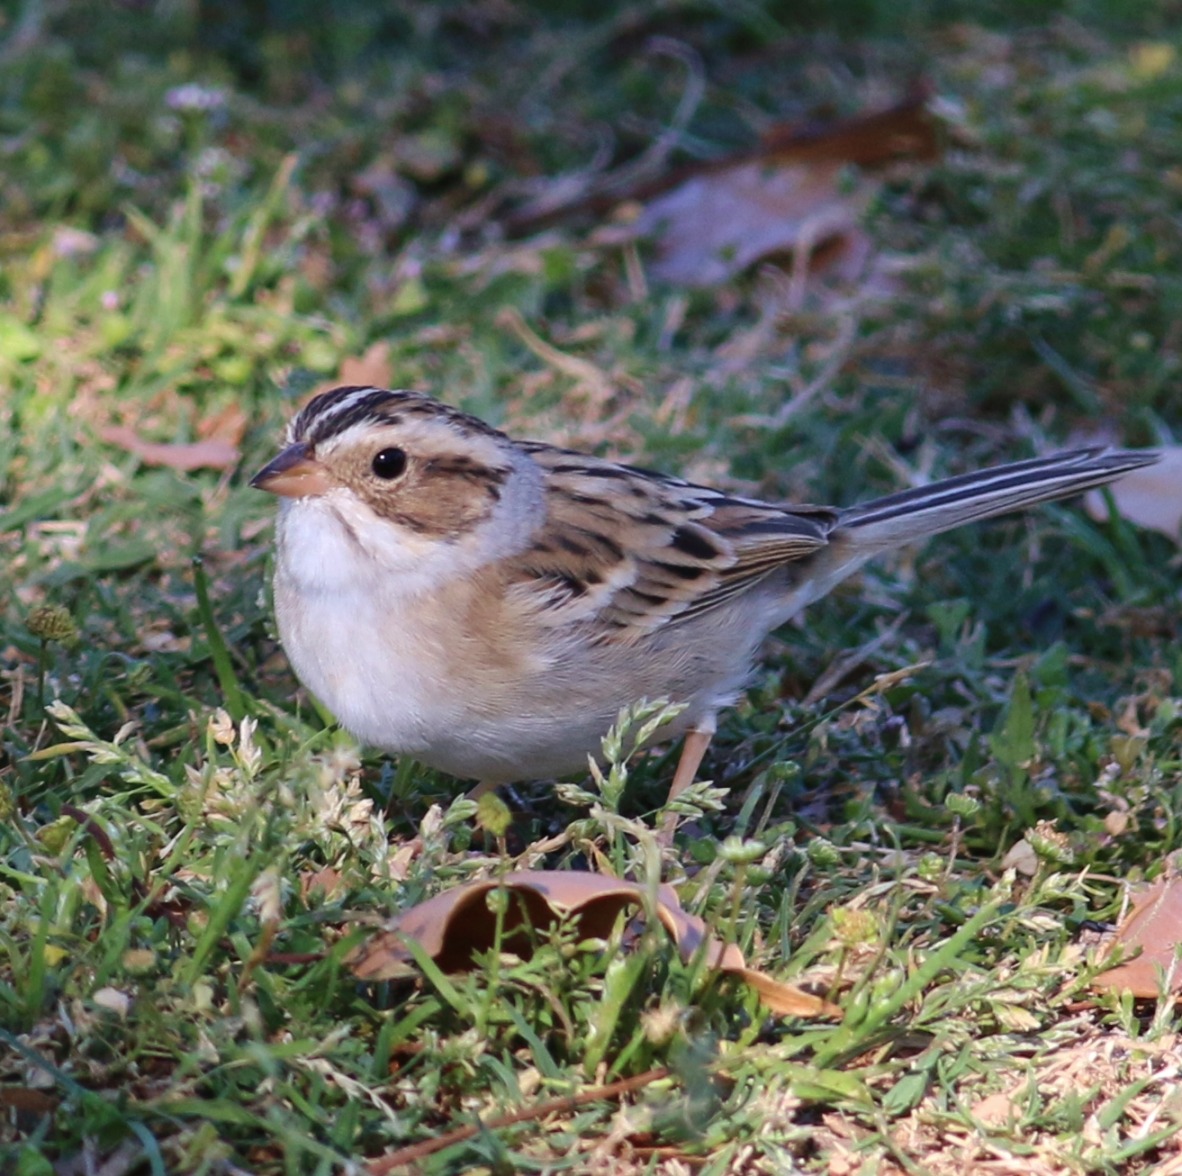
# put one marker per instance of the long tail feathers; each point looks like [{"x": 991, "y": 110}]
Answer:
[{"x": 927, "y": 510}]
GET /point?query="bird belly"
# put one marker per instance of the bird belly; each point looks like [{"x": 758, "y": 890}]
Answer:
[
  {"x": 376, "y": 688},
  {"x": 471, "y": 727}
]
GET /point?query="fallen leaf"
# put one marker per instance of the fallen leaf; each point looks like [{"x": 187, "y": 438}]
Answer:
[
  {"x": 328, "y": 881},
  {"x": 371, "y": 370},
  {"x": 114, "y": 1000},
  {"x": 228, "y": 424},
  {"x": 995, "y": 1109},
  {"x": 797, "y": 195},
  {"x": 1115, "y": 823},
  {"x": 1150, "y": 497},
  {"x": 716, "y": 226},
  {"x": 1154, "y": 926},
  {"x": 454, "y": 926},
  {"x": 1021, "y": 857},
  {"x": 398, "y": 867},
  {"x": 20, "y": 1098},
  {"x": 213, "y": 453}
]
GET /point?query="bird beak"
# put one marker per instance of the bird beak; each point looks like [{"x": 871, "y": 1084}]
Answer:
[{"x": 295, "y": 473}]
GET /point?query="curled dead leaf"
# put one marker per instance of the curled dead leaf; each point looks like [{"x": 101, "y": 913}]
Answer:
[
  {"x": 1154, "y": 927},
  {"x": 454, "y": 926}
]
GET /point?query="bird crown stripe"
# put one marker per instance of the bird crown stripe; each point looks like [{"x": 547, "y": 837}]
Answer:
[{"x": 331, "y": 413}]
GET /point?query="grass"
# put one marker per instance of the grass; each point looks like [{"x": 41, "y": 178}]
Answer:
[{"x": 200, "y": 222}]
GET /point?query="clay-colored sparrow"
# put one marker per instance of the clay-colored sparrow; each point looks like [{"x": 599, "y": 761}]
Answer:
[{"x": 488, "y": 605}]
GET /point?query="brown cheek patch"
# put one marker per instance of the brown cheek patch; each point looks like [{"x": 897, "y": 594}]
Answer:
[{"x": 441, "y": 498}]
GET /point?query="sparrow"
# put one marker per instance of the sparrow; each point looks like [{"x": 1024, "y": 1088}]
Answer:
[{"x": 488, "y": 605}]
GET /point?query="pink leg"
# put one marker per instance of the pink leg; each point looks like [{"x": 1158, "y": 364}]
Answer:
[
  {"x": 693, "y": 749},
  {"x": 697, "y": 740}
]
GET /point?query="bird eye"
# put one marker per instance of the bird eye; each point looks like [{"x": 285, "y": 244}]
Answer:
[{"x": 389, "y": 463}]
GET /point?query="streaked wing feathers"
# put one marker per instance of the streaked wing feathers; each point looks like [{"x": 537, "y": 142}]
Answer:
[{"x": 627, "y": 551}]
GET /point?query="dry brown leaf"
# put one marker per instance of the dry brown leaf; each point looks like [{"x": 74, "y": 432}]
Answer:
[
  {"x": 398, "y": 867},
  {"x": 1154, "y": 926},
  {"x": 716, "y": 226},
  {"x": 1021, "y": 857},
  {"x": 214, "y": 453},
  {"x": 371, "y": 370},
  {"x": 21, "y": 1098},
  {"x": 794, "y": 195},
  {"x": 1150, "y": 497},
  {"x": 328, "y": 881},
  {"x": 996, "y": 1109},
  {"x": 227, "y": 424},
  {"x": 454, "y": 926}
]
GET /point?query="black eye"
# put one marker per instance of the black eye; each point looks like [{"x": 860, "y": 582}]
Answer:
[{"x": 389, "y": 463}]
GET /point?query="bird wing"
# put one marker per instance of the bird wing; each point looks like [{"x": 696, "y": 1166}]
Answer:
[{"x": 627, "y": 551}]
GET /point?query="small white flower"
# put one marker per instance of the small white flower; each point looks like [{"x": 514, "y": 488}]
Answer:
[
  {"x": 69, "y": 242},
  {"x": 195, "y": 98}
]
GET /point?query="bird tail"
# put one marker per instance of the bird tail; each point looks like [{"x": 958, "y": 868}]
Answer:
[{"x": 912, "y": 515}]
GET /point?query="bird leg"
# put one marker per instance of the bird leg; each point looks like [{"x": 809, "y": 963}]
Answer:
[
  {"x": 693, "y": 748},
  {"x": 480, "y": 789}
]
